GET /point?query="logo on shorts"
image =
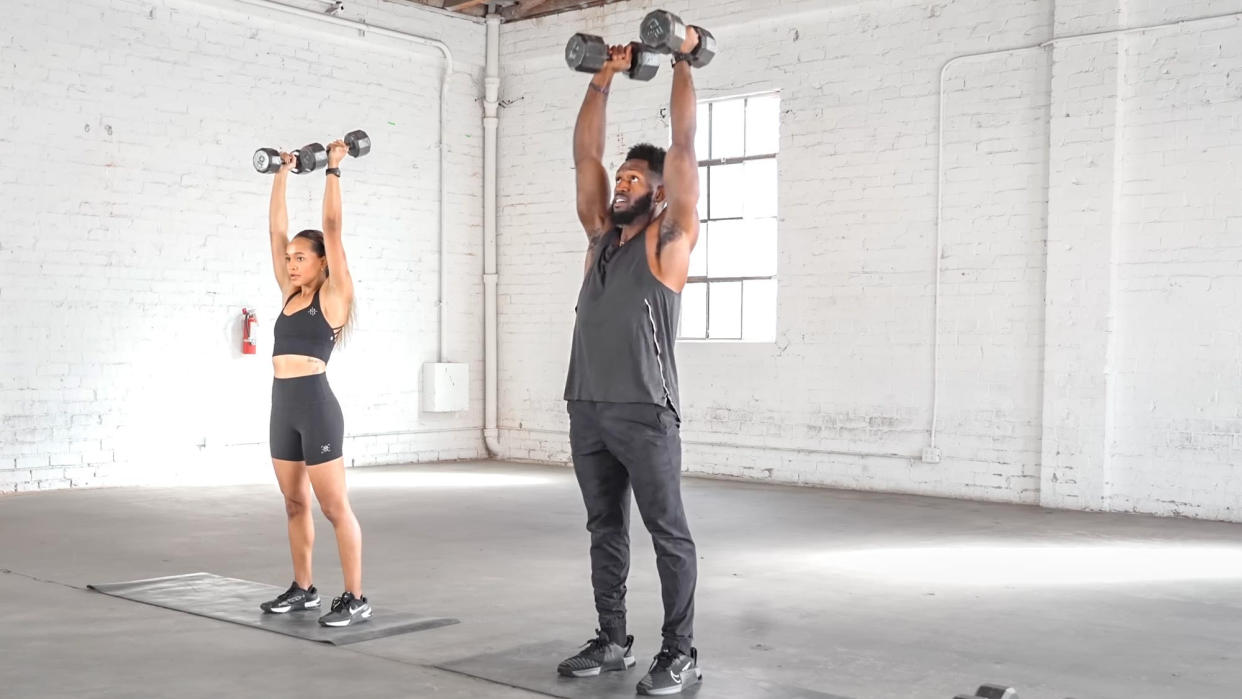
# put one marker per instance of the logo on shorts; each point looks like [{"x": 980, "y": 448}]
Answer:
[
  {"x": 325, "y": 449},
  {"x": 312, "y": 311}
]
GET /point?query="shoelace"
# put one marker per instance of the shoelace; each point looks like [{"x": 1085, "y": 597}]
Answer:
[
  {"x": 600, "y": 642},
  {"x": 664, "y": 659},
  {"x": 339, "y": 603},
  {"x": 293, "y": 590}
]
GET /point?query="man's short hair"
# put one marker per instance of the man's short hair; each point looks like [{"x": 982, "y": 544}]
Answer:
[{"x": 652, "y": 155}]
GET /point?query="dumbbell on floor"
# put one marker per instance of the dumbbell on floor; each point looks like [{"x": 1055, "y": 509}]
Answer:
[
  {"x": 664, "y": 32},
  {"x": 587, "y": 53},
  {"x": 310, "y": 157},
  {"x": 991, "y": 691}
]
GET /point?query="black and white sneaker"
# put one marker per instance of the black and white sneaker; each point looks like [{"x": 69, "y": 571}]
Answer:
[
  {"x": 295, "y": 599},
  {"x": 347, "y": 610},
  {"x": 599, "y": 654},
  {"x": 671, "y": 672}
]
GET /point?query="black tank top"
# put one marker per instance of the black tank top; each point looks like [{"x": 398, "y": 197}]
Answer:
[
  {"x": 625, "y": 329},
  {"x": 306, "y": 332}
]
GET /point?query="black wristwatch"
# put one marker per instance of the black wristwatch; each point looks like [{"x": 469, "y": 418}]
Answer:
[{"x": 332, "y": 171}]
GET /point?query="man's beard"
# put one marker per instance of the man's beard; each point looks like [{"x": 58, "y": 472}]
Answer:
[{"x": 637, "y": 209}]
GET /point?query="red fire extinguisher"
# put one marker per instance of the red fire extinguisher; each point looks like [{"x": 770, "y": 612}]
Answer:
[{"x": 250, "y": 331}]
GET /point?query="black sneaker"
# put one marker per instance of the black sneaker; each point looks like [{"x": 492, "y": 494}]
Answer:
[
  {"x": 295, "y": 599},
  {"x": 671, "y": 672},
  {"x": 347, "y": 610},
  {"x": 599, "y": 654}
]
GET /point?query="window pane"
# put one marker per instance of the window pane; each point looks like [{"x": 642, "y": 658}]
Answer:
[
  {"x": 742, "y": 248},
  {"x": 702, "y": 133},
  {"x": 728, "y": 129},
  {"x": 702, "y": 205},
  {"x": 759, "y": 310},
  {"x": 760, "y": 199},
  {"x": 726, "y": 256},
  {"x": 763, "y": 125},
  {"x": 727, "y": 197},
  {"x": 726, "y": 310},
  {"x": 698, "y": 256},
  {"x": 760, "y": 248},
  {"x": 694, "y": 311}
]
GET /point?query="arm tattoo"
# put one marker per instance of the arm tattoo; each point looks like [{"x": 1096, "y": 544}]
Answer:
[
  {"x": 593, "y": 242},
  {"x": 669, "y": 232},
  {"x": 596, "y": 239}
]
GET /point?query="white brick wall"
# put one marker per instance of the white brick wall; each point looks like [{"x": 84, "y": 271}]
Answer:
[
  {"x": 1177, "y": 431},
  {"x": 135, "y": 231},
  {"x": 1079, "y": 262},
  {"x": 992, "y": 297},
  {"x": 1086, "y": 299},
  {"x": 1089, "y": 264},
  {"x": 1141, "y": 409}
]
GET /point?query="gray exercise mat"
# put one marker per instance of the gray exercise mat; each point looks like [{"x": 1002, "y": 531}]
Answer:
[
  {"x": 533, "y": 668},
  {"x": 231, "y": 599}
]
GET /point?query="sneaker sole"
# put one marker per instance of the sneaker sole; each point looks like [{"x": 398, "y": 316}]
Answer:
[
  {"x": 365, "y": 616},
  {"x": 596, "y": 671},
  {"x": 286, "y": 610},
  {"x": 589, "y": 672},
  {"x": 678, "y": 689}
]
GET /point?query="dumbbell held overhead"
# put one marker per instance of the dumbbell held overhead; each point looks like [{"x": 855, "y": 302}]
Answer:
[
  {"x": 665, "y": 32},
  {"x": 358, "y": 142},
  {"x": 310, "y": 157},
  {"x": 587, "y": 53}
]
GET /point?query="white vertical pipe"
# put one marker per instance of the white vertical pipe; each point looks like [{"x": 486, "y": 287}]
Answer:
[
  {"x": 443, "y": 271},
  {"x": 491, "y": 120}
]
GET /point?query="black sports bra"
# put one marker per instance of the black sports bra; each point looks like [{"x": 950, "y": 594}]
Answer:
[{"x": 306, "y": 332}]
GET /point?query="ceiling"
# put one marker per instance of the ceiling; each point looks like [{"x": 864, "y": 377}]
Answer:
[{"x": 511, "y": 10}]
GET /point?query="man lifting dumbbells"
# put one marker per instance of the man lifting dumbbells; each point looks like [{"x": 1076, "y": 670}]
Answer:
[{"x": 624, "y": 410}]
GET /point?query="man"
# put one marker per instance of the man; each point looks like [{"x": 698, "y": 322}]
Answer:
[{"x": 622, "y": 387}]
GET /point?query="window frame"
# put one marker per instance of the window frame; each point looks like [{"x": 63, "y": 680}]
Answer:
[{"x": 706, "y": 220}]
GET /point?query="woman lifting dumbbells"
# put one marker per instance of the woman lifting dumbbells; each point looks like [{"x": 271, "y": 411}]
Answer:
[{"x": 307, "y": 427}]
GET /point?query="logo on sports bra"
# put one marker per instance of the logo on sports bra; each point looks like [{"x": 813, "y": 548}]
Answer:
[{"x": 312, "y": 311}]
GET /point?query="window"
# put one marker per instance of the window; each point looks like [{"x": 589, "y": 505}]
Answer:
[{"x": 731, "y": 291}]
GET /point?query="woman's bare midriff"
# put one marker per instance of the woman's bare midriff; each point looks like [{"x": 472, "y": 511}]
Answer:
[{"x": 291, "y": 366}]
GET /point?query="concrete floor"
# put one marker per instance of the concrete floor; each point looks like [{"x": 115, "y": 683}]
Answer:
[{"x": 864, "y": 595}]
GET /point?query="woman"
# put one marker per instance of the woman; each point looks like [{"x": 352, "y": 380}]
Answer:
[{"x": 307, "y": 427}]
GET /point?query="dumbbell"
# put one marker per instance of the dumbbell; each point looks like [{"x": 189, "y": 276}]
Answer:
[
  {"x": 587, "y": 53},
  {"x": 305, "y": 159},
  {"x": 266, "y": 160},
  {"x": 312, "y": 156},
  {"x": 664, "y": 32},
  {"x": 991, "y": 691},
  {"x": 359, "y": 143}
]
